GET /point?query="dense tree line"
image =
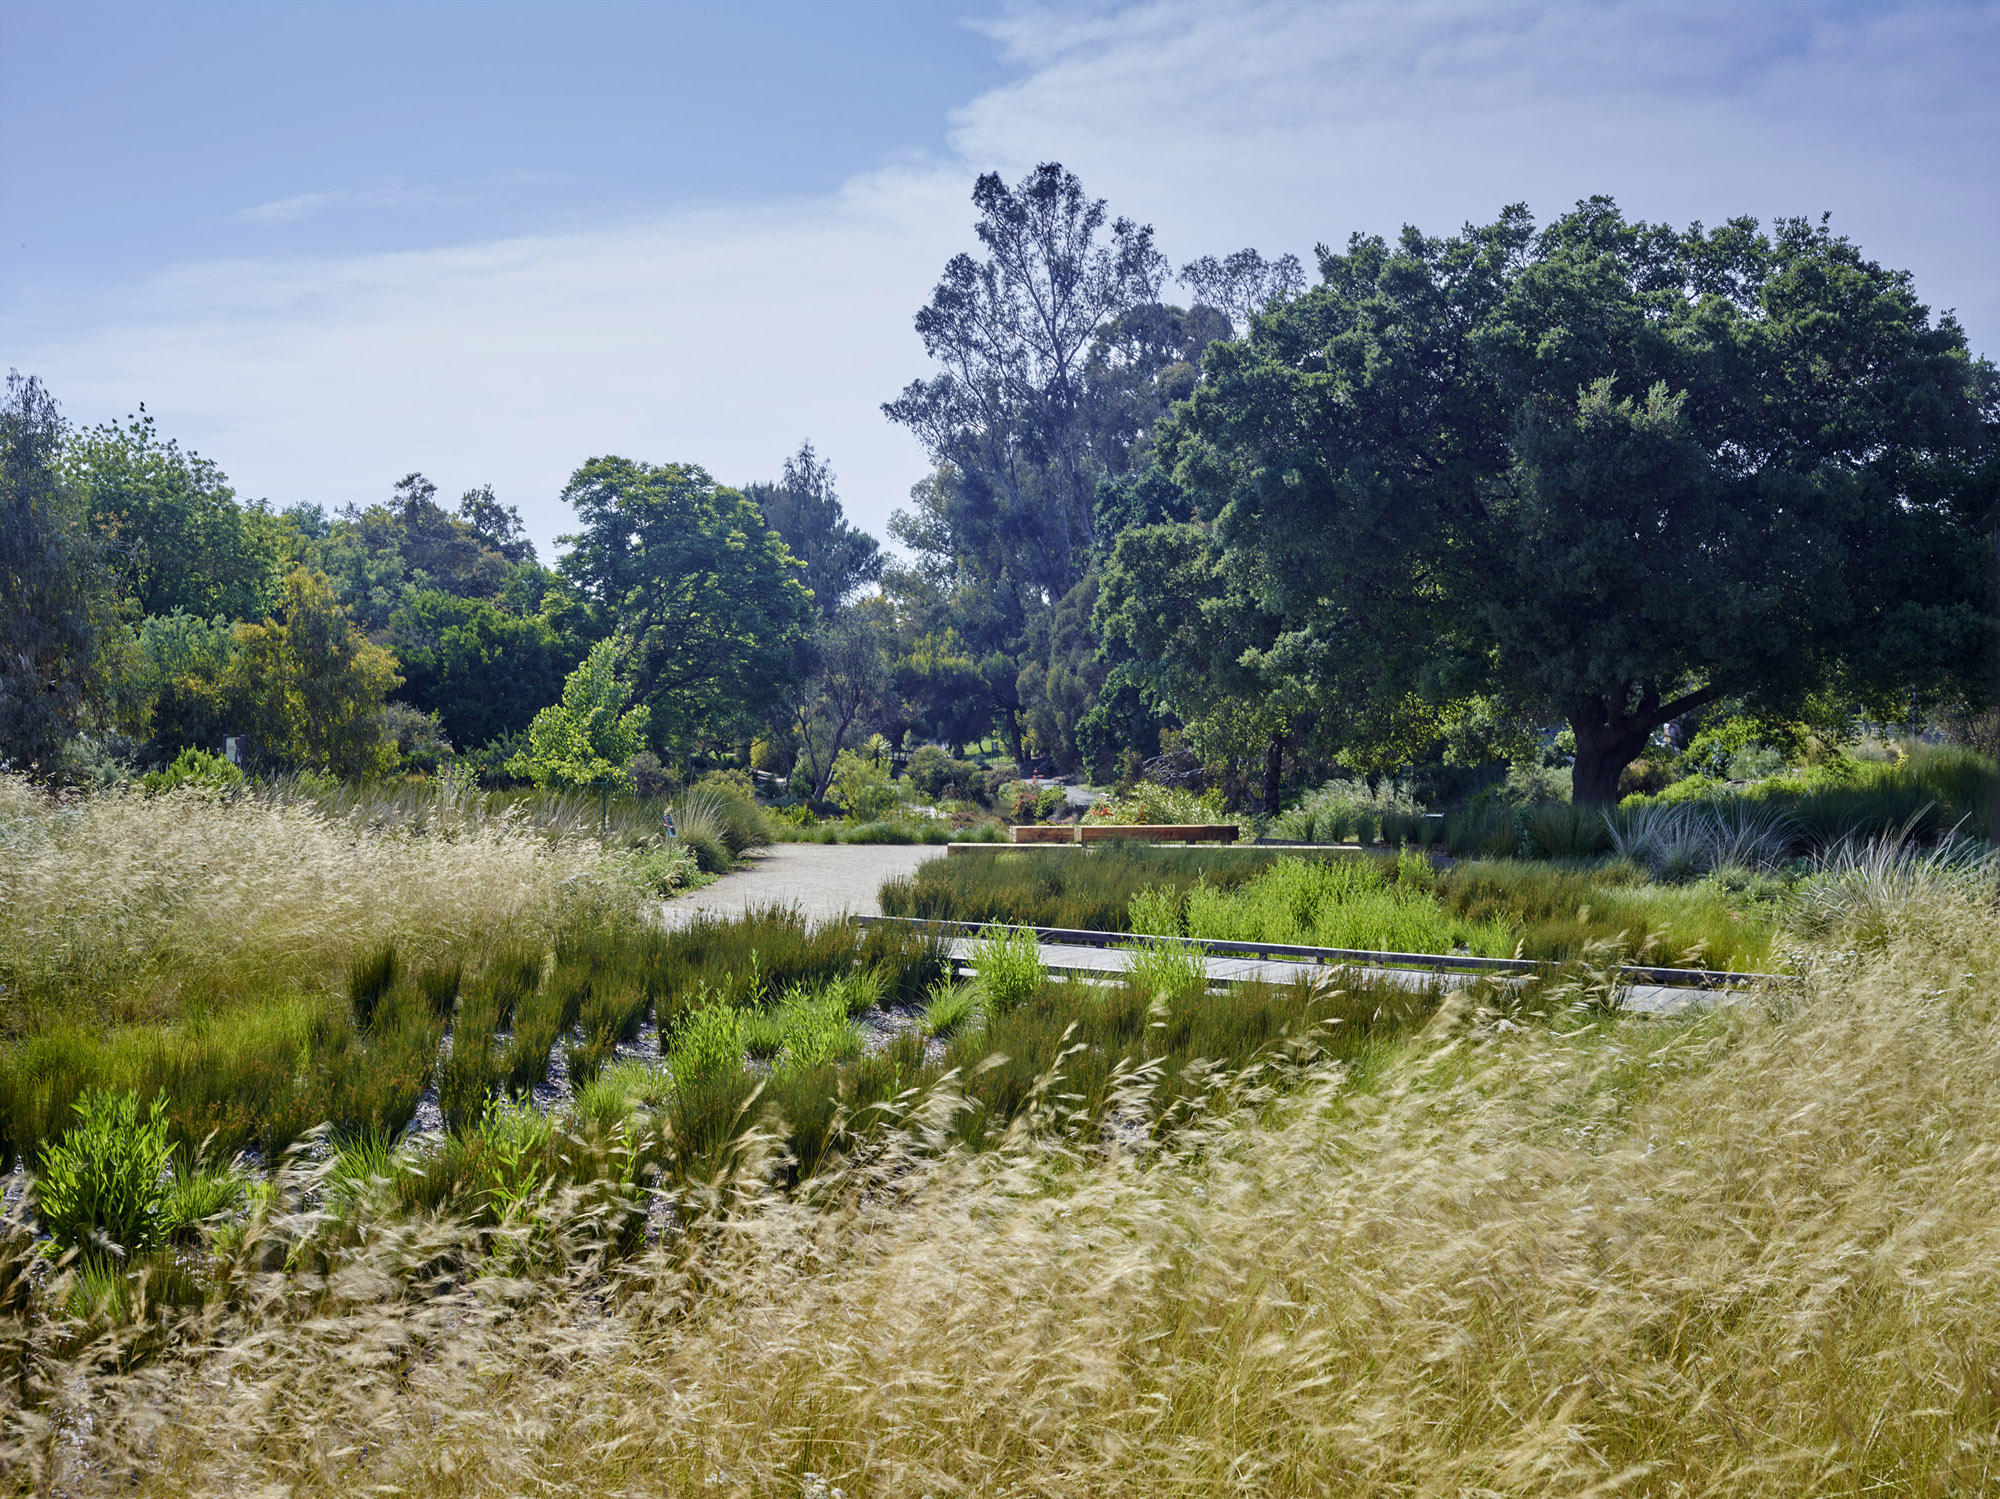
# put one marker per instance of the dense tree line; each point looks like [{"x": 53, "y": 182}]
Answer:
[{"x": 1463, "y": 492}]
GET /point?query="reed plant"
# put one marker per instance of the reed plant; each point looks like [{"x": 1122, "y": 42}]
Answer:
[{"x": 1091, "y": 890}]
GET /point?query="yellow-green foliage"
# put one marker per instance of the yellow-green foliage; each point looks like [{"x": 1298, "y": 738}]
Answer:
[{"x": 1347, "y": 903}]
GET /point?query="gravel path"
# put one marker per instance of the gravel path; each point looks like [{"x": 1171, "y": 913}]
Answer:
[{"x": 822, "y": 879}]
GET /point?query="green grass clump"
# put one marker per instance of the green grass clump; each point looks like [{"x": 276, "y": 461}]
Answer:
[
  {"x": 372, "y": 976},
  {"x": 816, "y": 1032},
  {"x": 708, "y": 1044},
  {"x": 1560, "y": 913},
  {"x": 1347, "y": 903},
  {"x": 1167, "y": 968},
  {"x": 1008, "y": 963},
  {"x": 1091, "y": 889},
  {"x": 908, "y": 962},
  {"x": 951, "y": 1009}
]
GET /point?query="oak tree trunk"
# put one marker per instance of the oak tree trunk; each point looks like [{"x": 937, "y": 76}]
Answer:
[{"x": 1602, "y": 753}]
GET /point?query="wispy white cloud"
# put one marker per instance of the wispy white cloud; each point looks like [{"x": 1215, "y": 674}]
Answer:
[
  {"x": 287, "y": 210},
  {"x": 723, "y": 336}
]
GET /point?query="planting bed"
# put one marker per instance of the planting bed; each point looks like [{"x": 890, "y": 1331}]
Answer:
[{"x": 1490, "y": 908}]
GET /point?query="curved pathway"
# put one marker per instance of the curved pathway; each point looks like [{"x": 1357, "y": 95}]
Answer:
[{"x": 821, "y": 879}]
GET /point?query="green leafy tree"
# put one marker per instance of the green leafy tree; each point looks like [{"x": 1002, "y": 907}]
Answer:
[
  {"x": 310, "y": 685},
  {"x": 380, "y": 555},
  {"x": 484, "y": 672},
  {"x": 1607, "y": 473},
  {"x": 703, "y": 592},
  {"x": 57, "y": 607},
  {"x": 178, "y": 677},
  {"x": 171, "y": 515},
  {"x": 843, "y": 687},
  {"x": 805, "y": 511},
  {"x": 585, "y": 740}
]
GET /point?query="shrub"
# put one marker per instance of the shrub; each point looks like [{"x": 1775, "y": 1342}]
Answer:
[
  {"x": 730, "y": 782},
  {"x": 862, "y": 787},
  {"x": 1009, "y": 968},
  {"x": 1329, "y": 814},
  {"x": 931, "y": 771},
  {"x": 708, "y": 1044},
  {"x": 1168, "y": 969},
  {"x": 196, "y": 768},
  {"x": 1156, "y": 912},
  {"x": 102, "y": 1188},
  {"x": 817, "y": 1031}
]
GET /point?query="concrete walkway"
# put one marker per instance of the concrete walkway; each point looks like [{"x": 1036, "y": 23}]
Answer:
[
  {"x": 825, "y": 880},
  {"x": 822, "y": 879},
  {"x": 1059, "y": 957}
]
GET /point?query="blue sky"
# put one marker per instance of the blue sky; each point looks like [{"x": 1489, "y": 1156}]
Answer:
[{"x": 328, "y": 243}]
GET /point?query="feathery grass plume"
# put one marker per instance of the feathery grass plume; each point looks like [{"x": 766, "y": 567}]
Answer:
[
  {"x": 1684, "y": 840},
  {"x": 1873, "y": 890},
  {"x": 128, "y": 910}
]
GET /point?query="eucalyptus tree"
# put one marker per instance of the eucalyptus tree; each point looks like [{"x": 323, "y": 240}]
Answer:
[
  {"x": 1008, "y": 411},
  {"x": 805, "y": 510}
]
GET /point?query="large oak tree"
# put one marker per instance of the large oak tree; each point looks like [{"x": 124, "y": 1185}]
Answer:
[{"x": 1609, "y": 472}]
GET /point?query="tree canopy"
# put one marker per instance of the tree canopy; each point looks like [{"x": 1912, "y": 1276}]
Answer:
[
  {"x": 1607, "y": 471},
  {"x": 707, "y": 598},
  {"x": 56, "y": 605}
]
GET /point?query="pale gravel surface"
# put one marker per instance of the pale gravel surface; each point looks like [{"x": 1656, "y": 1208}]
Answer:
[{"x": 821, "y": 879}]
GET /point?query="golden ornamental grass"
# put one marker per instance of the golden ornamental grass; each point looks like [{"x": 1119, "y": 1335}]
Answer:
[
  {"x": 125, "y": 907},
  {"x": 1753, "y": 1254}
]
